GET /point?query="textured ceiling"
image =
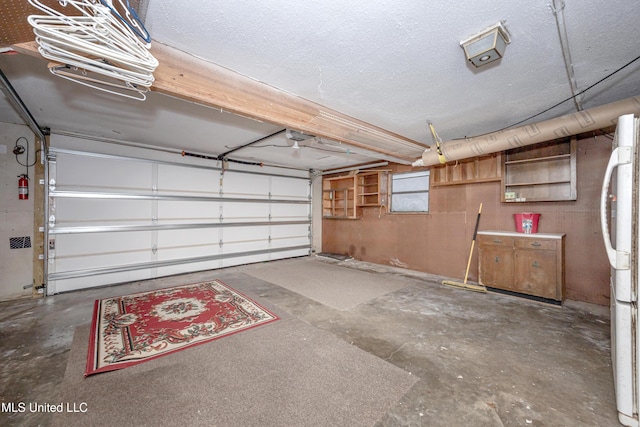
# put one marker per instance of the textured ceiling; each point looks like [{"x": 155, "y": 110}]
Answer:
[
  {"x": 398, "y": 63},
  {"x": 394, "y": 64}
]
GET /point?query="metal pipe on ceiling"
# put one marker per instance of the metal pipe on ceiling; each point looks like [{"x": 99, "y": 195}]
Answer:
[
  {"x": 568, "y": 125},
  {"x": 353, "y": 168},
  {"x": 557, "y": 8}
]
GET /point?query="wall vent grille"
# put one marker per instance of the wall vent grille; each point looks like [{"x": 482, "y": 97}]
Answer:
[{"x": 20, "y": 242}]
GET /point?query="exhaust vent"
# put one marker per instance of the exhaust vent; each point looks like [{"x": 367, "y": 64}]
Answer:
[{"x": 19, "y": 242}]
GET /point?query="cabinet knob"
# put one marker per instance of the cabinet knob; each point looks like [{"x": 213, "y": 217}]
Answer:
[
  {"x": 497, "y": 259},
  {"x": 497, "y": 241},
  {"x": 535, "y": 264},
  {"x": 536, "y": 244}
]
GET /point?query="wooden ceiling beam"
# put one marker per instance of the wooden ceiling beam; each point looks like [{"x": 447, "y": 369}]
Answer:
[{"x": 193, "y": 79}]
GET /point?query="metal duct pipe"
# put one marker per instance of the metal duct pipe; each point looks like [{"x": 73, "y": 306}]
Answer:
[{"x": 571, "y": 124}]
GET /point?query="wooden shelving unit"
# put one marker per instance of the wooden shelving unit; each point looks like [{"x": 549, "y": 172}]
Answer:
[
  {"x": 540, "y": 173},
  {"x": 343, "y": 195},
  {"x": 478, "y": 169},
  {"x": 338, "y": 197},
  {"x": 371, "y": 188}
]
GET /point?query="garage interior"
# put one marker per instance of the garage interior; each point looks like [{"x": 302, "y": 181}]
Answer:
[{"x": 272, "y": 150}]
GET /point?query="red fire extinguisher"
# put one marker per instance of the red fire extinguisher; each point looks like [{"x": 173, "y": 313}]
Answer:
[{"x": 23, "y": 187}]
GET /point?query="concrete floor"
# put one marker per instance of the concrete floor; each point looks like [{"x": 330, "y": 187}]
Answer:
[{"x": 482, "y": 359}]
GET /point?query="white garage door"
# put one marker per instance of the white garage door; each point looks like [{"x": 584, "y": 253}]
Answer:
[{"x": 116, "y": 218}]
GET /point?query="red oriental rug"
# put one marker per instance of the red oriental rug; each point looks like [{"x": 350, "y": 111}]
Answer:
[{"x": 139, "y": 327}]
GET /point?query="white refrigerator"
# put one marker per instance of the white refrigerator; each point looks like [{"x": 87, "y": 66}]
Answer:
[{"x": 619, "y": 216}]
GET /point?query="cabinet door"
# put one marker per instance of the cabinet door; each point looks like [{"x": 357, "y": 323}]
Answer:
[
  {"x": 536, "y": 273},
  {"x": 496, "y": 266}
]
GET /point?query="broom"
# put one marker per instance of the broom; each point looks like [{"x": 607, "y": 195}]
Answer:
[{"x": 465, "y": 285}]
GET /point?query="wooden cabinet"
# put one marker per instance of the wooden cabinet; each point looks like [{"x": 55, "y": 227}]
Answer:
[
  {"x": 495, "y": 261},
  {"x": 343, "y": 195},
  {"x": 478, "y": 169},
  {"x": 530, "y": 264},
  {"x": 540, "y": 172}
]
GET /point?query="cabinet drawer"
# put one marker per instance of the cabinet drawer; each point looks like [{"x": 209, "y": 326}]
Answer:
[
  {"x": 544, "y": 245},
  {"x": 488, "y": 240}
]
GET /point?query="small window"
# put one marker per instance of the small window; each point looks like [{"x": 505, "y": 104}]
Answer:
[{"x": 410, "y": 192}]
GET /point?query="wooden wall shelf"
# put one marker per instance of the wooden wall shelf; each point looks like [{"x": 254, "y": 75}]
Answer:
[
  {"x": 343, "y": 195},
  {"x": 541, "y": 172},
  {"x": 469, "y": 171}
]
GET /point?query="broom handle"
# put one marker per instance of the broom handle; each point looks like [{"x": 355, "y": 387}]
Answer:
[{"x": 473, "y": 243}]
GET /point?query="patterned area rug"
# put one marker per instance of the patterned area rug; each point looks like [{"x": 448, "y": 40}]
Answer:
[{"x": 135, "y": 328}]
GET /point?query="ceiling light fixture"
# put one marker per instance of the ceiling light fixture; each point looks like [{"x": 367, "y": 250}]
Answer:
[
  {"x": 295, "y": 135},
  {"x": 486, "y": 46}
]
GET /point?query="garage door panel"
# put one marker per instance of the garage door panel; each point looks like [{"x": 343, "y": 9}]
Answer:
[
  {"x": 283, "y": 243},
  {"x": 185, "y": 244},
  {"x": 119, "y": 219},
  {"x": 283, "y": 187},
  {"x": 290, "y": 211},
  {"x": 188, "y": 237},
  {"x": 79, "y": 283},
  {"x": 233, "y": 211},
  {"x": 288, "y": 231},
  {"x": 170, "y": 211},
  {"x": 239, "y": 246},
  {"x": 241, "y": 184},
  {"x": 68, "y": 245},
  {"x": 188, "y": 181},
  {"x": 250, "y": 234},
  {"x": 290, "y": 254},
  {"x": 187, "y": 252},
  {"x": 188, "y": 268},
  {"x": 102, "y": 173},
  {"x": 232, "y": 262},
  {"x": 78, "y": 212},
  {"x": 252, "y": 259}
]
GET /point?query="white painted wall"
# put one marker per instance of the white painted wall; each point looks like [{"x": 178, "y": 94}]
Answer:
[{"x": 16, "y": 216}]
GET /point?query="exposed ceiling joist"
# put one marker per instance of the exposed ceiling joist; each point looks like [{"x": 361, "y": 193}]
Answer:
[{"x": 193, "y": 79}]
